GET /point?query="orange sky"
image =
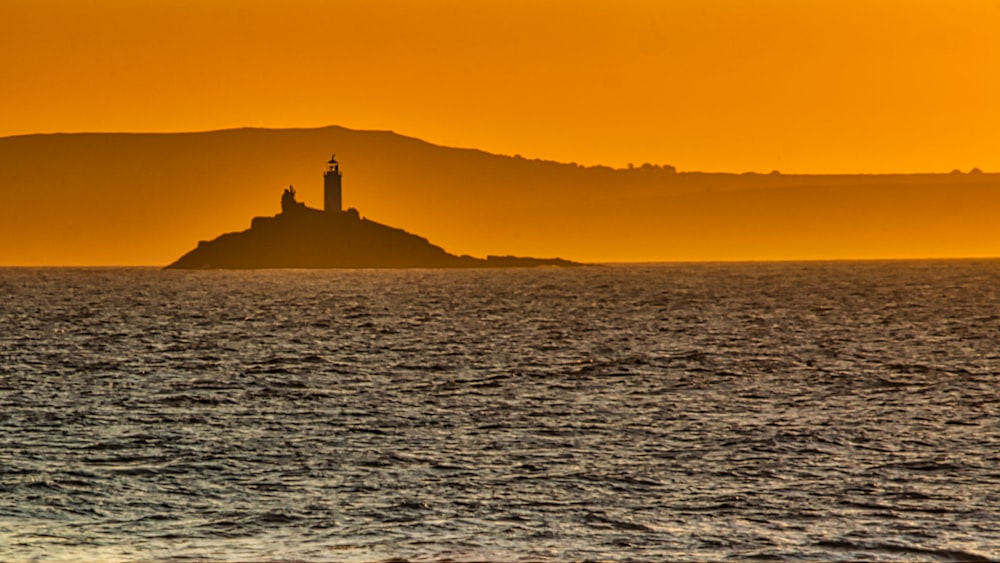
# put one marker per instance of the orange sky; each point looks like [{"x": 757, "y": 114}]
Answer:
[{"x": 728, "y": 85}]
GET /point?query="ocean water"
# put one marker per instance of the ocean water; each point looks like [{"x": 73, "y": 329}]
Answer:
[{"x": 786, "y": 411}]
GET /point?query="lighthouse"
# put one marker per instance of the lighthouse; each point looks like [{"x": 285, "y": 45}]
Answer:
[{"x": 331, "y": 187}]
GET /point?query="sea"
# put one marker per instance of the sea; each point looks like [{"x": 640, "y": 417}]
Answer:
[{"x": 806, "y": 411}]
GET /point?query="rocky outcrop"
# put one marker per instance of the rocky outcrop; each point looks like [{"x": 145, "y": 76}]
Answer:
[{"x": 302, "y": 237}]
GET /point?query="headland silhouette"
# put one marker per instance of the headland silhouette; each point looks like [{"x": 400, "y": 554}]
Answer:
[
  {"x": 145, "y": 198},
  {"x": 304, "y": 237}
]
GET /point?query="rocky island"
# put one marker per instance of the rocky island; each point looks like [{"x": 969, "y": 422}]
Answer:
[{"x": 303, "y": 237}]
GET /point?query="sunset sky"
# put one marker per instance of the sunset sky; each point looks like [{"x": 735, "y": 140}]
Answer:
[{"x": 723, "y": 85}]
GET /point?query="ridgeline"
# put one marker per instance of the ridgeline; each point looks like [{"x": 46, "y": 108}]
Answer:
[{"x": 142, "y": 199}]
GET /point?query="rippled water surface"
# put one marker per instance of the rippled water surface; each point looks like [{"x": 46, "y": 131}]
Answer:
[{"x": 810, "y": 411}]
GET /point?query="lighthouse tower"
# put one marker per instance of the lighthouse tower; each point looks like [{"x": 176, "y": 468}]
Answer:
[{"x": 331, "y": 187}]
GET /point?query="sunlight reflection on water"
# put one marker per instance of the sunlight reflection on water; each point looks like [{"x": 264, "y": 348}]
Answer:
[{"x": 799, "y": 411}]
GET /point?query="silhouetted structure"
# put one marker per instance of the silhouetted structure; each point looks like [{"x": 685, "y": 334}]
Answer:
[
  {"x": 331, "y": 187},
  {"x": 288, "y": 203},
  {"x": 303, "y": 237}
]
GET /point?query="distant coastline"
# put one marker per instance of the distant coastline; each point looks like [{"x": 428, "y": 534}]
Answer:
[{"x": 134, "y": 199}]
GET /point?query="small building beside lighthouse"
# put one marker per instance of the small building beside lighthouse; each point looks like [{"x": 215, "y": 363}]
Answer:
[{"x": 332, "y": 193}]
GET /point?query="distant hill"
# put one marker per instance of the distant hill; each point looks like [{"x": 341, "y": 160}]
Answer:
[{"x": 148, "y": 198}]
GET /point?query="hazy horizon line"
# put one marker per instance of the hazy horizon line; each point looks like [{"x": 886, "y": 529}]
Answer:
[{"x": 608, "y": 263}]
